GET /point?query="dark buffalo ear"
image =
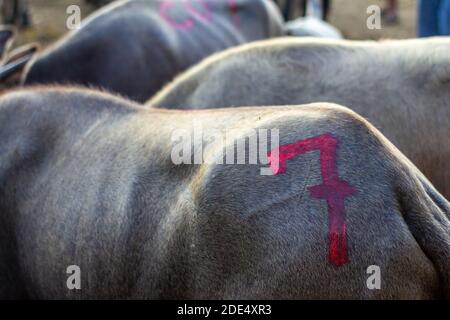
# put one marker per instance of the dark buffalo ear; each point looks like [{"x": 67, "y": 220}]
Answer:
[
  {"x": 17, "y": 60},
  {"x": 6, "y": 36}
]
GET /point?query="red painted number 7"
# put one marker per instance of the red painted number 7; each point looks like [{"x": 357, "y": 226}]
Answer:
[{"x": 332, "y": 189}]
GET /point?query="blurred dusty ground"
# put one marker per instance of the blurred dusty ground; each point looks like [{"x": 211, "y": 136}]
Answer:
[{"x": 49, "y": 20}]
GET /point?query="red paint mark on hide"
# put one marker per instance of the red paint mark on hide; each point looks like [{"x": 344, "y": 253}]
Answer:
[
  {"x": 232, "y": 5},
  {"x": 204, "y": 15},
  {"x": 164, "y": 11},
  {"x": 333, "y": 189}
]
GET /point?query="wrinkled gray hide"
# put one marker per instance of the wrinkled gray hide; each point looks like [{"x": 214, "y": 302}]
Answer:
[{"x": 87, "y": 179}]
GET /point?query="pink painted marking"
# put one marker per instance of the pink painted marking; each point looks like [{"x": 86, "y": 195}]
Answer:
[
  {"x": 166, "y": 5},
  {"x": 205, "y": 17},
  {"x": 164, "y": 9},
  {"x": 333, "y": 189},
  {"x": 232, "y": 5}
]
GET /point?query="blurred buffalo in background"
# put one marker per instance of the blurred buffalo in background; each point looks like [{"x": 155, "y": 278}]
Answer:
[{"x": 134, "y": 47}]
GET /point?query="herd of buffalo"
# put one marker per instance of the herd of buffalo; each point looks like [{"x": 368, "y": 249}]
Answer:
[{"x": 87, "y": 178}]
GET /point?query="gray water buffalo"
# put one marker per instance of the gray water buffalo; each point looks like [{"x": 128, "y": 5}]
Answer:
[
  {"x": 89, "y": 180},
  {"x": 402, "y": 87},
  {"x": 134, "y": 47}
]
